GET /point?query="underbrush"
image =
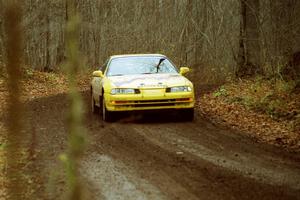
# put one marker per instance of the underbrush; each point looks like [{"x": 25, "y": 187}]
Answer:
[{"x": 266, "y": 108}]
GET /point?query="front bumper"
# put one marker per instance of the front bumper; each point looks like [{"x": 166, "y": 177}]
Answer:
[{"x": 150, "y": 100}]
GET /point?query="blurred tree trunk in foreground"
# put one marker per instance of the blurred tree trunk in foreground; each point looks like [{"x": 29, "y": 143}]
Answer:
[
  {"x": 2, "y": 49},
  {"x": 76, "y": 130},
  {"x": 12, "y": 19}
]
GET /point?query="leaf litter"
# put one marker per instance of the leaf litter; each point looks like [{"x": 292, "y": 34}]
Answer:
[{"x": 267, "y": 111}]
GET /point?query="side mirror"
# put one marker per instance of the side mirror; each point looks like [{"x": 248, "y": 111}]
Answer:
[
  {"x": 184, "y": 70},
  {"x": 98, "y": 74}
]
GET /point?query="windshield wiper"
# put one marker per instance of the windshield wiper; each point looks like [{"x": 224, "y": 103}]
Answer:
[
  {"x": 159, "y": 63},
  {"x": 117, "y": 75}
]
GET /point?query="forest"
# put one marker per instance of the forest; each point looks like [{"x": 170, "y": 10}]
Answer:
[
  {"x": 243, "y": 139},
  {"x": 212, "y": 36}
]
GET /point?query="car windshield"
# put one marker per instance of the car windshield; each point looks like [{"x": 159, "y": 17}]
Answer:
[{"x": 140, "y": 65}]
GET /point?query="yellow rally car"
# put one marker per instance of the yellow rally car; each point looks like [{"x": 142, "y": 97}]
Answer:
[{"x": 141, "y": 82}]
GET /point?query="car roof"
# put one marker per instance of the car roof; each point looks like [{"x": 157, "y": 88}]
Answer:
[{"x": 137, "y": 55}]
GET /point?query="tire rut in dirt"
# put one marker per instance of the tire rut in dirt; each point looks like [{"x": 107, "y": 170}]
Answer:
[
  {"x": 177, "y": 176},
  {"x": 171, "y": 173},
  {"x": 259, "y": 162}
]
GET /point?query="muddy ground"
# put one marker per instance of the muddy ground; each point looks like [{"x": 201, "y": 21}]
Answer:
[{"x": 156, "y": 156}]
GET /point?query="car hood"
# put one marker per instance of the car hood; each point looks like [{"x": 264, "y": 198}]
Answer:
[{"x": 148, "y": 80}]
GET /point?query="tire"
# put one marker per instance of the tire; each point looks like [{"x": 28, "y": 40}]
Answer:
[
  {"x": 107, "y": 116},
  {"x": 94, "y": 108},
  {"x": 188, "y": 114}
]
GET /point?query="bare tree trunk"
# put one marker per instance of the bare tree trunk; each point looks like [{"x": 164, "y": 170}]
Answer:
[
  {"x": 249, "y": 55},
  {"x": 201, "y": 21},
  {"x": 47, "y": 66},
  {"x": 242, "y": 56}
]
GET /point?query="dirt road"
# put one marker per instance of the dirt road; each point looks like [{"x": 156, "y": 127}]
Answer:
[{"x": 158, "y": 158}]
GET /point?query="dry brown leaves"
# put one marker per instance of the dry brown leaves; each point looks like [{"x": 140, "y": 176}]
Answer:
[
  {"x": 41, "y": 84},
  {"x": 277, "y": 131}
]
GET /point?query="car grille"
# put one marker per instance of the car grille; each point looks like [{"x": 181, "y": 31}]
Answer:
[{"x": 153, "y": 103}]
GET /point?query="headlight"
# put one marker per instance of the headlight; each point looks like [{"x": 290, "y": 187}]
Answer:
[
  {"x": 124, "y": 91},
  {"x": 179, "y": 89}
]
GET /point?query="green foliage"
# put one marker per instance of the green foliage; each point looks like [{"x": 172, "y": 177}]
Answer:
[
  {"x": 256, "y": 86},
  {"x": 52, "y": 78},
  {"x": 28, "y": 73},
  {"x": 271, "y": 104},
  {"x": 249, "y": 102},
  {"x": 235, "y": 99},
  {"x": 262, "y": 96},
  {"x": 286, "y": 86},
  {"x": 274, "y": 108},
  {"x": 3, "y": 146},
  {"x": 220, "y": 92}
]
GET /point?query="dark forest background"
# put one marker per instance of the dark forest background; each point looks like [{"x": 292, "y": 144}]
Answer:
[{"x": 214, "y": 37}]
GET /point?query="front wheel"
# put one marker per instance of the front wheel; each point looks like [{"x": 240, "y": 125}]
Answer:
[{"x": 107, "y": 116}]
